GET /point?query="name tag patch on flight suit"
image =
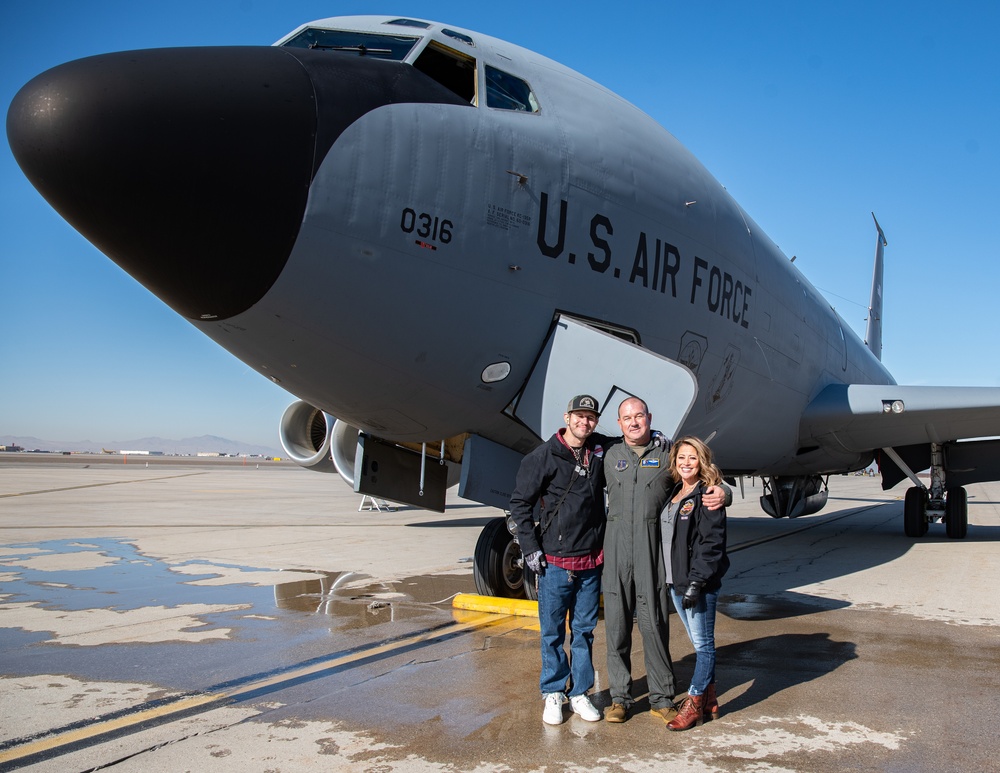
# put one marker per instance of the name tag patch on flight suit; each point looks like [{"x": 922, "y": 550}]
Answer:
[
  {"x": 649, "y": 463},
  {"x": 621, "y": 465}
]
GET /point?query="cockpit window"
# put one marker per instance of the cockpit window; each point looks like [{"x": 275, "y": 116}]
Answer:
[
  {"x": 459, "y": 36},
  {"x": 394, "y": 47},
  {"x": 508, "y": 92},
  {"x": 452, "y": 69},
  {"x": 410, "y": 23}
]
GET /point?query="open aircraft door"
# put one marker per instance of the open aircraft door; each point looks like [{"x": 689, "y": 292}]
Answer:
[{"x": 578, "y": 359}]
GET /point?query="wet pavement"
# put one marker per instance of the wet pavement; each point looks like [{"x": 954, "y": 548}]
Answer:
[{"x": 233, "y": 618}]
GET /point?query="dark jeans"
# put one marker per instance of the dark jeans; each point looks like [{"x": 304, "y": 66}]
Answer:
[{"x": 576, "y": 595}]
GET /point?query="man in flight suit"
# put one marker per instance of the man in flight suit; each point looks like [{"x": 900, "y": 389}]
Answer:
[{"x": 639, "y": 483}]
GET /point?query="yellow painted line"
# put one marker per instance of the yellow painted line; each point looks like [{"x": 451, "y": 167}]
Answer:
[
  {"x": 188, "y": 703},
  {"x": 108, "y": 726},
  {"x": 482, "y": 621},
  {"x": 496, "y": 605}
]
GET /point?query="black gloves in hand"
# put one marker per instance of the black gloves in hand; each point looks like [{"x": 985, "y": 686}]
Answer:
[{"x": 692, "y": 595}]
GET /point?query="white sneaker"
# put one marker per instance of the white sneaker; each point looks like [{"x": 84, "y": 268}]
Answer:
[
  {"x": 581, "y": 705},
  {"x": 553, "y": 713}
]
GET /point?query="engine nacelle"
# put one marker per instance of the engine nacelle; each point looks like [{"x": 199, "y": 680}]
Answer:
[
  {"x": 318, "y": 441},
  {"x": 344, "y": 449},
  {"x": 793, "y": 496}
]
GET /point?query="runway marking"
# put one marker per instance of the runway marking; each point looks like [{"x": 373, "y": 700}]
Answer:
[
  {"x": 810, "y": 525},
  {"x": 95, "y": 485},
  {"x": 80, "y": 735}
]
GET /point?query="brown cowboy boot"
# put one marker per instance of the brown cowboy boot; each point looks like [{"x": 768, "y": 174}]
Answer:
[
  {"x": 690, "y": 714},
  {"x": 711, "y": 710}
]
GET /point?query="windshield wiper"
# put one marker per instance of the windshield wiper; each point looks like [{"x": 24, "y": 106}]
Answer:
[{"x": 363, "y": 50}]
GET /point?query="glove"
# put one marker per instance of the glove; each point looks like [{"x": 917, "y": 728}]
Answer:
[
  {"x": 692, "y": 595},
  {"x": 535, "y": 562}
]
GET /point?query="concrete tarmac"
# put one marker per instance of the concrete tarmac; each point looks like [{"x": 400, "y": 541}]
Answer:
[{"x": 239, "y": 617}]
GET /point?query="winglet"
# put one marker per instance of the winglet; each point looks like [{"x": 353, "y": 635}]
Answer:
[{"x": 873, "y": 333}]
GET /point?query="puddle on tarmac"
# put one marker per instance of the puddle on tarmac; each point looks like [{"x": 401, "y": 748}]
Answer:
[
  {"x": 775, "y": 607},
  {"x": 111, "y": 574},
  {"x": 345, "y": 596},
  {"x": 102, "y": 610}
]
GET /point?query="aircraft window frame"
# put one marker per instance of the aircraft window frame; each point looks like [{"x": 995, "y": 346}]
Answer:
[
  {"x": 338, "y": 41},
  {"x": 500, "y": 88},
  {"x": 422, "y": 25},
  {"x": 460, "y": 37},
  {"x": 629, "y": 334},
  {"x": 624, "y": 333},
  {"x": 435, "y": 56}
]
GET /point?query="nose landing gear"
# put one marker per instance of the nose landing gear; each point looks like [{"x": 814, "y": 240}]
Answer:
[{"x": 498, "y": 566}]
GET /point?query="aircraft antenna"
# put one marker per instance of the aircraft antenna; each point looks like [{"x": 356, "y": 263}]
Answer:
[{"x": 873, "y": 333}]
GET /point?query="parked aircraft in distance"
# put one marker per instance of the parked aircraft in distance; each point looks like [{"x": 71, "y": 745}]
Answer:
[{"x": 433, "y": 238}]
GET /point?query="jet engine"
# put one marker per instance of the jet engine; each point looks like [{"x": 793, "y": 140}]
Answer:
[
  {"x": 793, "y": 496},
  {"x": 318, "y": 441}
]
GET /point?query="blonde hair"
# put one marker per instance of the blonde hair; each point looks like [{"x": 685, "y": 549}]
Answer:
[{"x": 708, "y": 473}]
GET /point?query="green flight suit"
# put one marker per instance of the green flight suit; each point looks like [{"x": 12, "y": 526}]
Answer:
[{"x": 633, "y": 582}]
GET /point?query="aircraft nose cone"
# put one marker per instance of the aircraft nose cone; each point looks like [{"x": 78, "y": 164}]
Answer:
[{"x": 188, "y": 167}]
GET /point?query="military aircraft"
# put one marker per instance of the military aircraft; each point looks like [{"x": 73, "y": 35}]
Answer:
[{"x": 433, "y": 238}]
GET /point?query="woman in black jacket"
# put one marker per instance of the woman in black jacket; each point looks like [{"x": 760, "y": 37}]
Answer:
[{"x": 693, "y": 540}]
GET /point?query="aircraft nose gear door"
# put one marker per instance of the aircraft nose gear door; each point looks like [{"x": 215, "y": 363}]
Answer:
[{"x": 579, "y": 359}]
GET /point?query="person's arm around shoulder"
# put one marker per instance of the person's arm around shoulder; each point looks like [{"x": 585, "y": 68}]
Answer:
[
  {"x": 717, "y": 496},
  {"x": 709, "y": 544}
]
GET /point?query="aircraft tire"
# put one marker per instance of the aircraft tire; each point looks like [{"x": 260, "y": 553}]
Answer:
[
  {"x": 495, "y": 566},
  {"x": 956, "y": 513},
  {"x": 915, "y": 512},
  {"x": 530, "y": 585}
]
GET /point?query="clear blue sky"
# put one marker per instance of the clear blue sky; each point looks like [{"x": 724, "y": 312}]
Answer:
[{"x": 811, "y": 114}]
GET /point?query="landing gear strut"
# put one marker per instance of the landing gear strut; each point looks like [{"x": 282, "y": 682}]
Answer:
[{"x": 923, "y": 506}]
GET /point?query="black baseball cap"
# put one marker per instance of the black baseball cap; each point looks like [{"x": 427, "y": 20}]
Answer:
[{"x": 583, "y": 403}]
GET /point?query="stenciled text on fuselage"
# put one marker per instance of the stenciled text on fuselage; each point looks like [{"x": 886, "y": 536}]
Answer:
[{"x": 655, "y": 264}]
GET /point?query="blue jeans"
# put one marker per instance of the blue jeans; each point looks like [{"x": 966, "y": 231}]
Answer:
[
  {"x": 700, "y": 625},
  {"x": 576, "y": 594}
]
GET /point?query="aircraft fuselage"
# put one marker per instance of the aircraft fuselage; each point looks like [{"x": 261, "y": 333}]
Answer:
[{"x": 425, "y": 238}]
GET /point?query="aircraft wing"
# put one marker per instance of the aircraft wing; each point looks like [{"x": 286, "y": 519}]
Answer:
[
  {"x": 861, "y": 417},
  {"x": 866, "y": 417}
]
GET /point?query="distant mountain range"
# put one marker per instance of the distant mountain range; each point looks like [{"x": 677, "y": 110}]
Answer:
[{"x": 187, "y": 447}]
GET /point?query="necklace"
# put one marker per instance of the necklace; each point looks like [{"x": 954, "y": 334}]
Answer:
[{"x": 582, "y": 460}]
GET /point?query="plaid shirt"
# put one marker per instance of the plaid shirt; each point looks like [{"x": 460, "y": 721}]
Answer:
[{"x": 577, "y": 563}]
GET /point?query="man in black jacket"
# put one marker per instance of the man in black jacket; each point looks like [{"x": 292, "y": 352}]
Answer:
[{"x": 565, "y": 475}]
